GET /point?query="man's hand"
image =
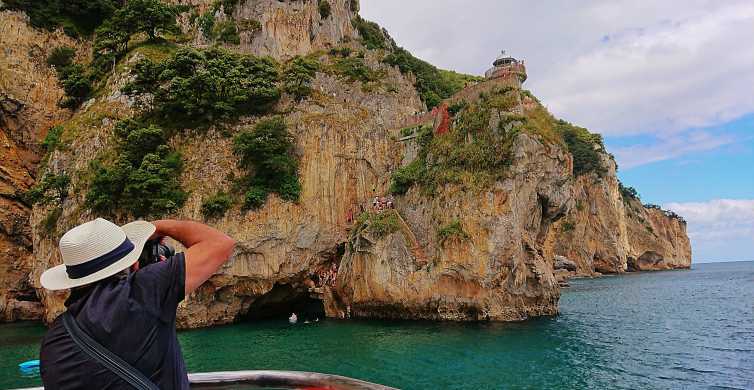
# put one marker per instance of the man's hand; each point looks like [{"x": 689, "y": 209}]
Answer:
[{"x": 207, "y": 249}]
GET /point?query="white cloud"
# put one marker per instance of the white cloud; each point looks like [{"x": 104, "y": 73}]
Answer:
[
  {"x": 619, "y": 67},
  {"x": 717, "y": 220},
  {"x": 666, "y": 148}
]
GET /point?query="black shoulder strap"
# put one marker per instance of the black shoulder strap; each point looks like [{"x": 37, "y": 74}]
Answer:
[{"x": 103, "y": 355}]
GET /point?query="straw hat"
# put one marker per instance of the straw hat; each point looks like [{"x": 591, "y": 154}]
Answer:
[{"x": 96, "y": 250}]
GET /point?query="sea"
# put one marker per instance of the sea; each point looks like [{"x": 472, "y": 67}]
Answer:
[{"x": 690, "y": 329}]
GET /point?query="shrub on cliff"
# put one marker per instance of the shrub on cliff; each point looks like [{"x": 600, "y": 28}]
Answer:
[
  {"x": 76, "y": 17},
  {"x": 76, "y": 83},
  {"x": 266, "y": 152},
  {"x": 61, "y": 56},
  {"x": 150, "y": 17},
  {"x": 52, "y": 139},
  {"x": 143, "y": 179},
  {"x": 628, "y": 193},
  {"x": 200, "y": 87},
  {"x": 324, "y": 9},
  {"x": 378, "y": 224},
  {"x": 217, "y": 205},
  {"x": 298, "y": 77},
  {"x": 372, "y": 35},
  {"x": 404, "y": 178},
  {"x": 52, "y": 189},
  {"x": 227, "y": 32},
  {"x": 585, "y": 148},
  {"x": 433, "y": 84},
  {"x": 453, "y": 230},
  {"x": 353, "y": 68}
]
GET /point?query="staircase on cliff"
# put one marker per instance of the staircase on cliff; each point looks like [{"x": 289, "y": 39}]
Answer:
[{"x": 416, "y": 248}]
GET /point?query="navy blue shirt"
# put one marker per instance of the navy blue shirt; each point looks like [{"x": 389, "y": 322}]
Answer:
[{"x": 134, "y": 317}]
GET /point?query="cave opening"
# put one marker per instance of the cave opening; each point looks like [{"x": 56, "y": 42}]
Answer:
[
  {"x": 283, "y": 300},
  {"x": 304, "y": 294}
]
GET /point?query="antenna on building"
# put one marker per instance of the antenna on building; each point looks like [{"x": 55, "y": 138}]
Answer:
[{"x": 504, "y": 53}]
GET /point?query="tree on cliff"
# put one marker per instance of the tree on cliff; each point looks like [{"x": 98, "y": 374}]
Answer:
[{"x": 148, "y": 16}]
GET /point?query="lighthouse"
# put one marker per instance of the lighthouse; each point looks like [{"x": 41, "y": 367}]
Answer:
[{"x": 506, "y": 66}]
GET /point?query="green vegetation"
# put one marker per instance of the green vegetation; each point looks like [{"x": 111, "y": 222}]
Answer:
[
  {"x": 52, "y": 189},
  {"x": 324, "y": 9},
  {"x": 74, "y": 79},
  {"x": 585, "y": 147},
  {"x": 404, "y": 178},
  {"x": 52, "y": 139},
  {"x": 628, "y": 193},
  {"x": 298, "y": 76},
  {"x": 249, "y": 25},
  {"x": 76, "y": 17},
  {"x": 353, "y": 68},
  {"x": 217, "y": 205},
  {"x": 668, "y": 213},
  {"x": 226, "y": 31},
  {"x": 341, "y": 51},
  {"x": 50, "y": 221},
  {"x": 373, "y": 37},
  {"x": 150, "y": 17},
  {"x": 354, "y": 5},
  {"x": 457, "y": 106},
  {"x": 379, "y": 224},
  {"x": 453, "y": 230},
  {"x": 61, "y": 56},
  {"x": 477, "y": 150},
  {"x": 405, "y": 132},
  {"x": 201, "y": 87},
  {"x": 567, "y": 226},
  {"x": 433, "y": 84},
  {"x": 76, "y": 83},
  {"x": 143, "y": 181},
  {"x": 206, "y": 23},
  {"x": 228, "y": 6},
  {"x": 266, "y": 152}
]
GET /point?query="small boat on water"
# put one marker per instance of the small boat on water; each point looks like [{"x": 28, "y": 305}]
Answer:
[
  {"x": 29, "y": 365},
  {"x": 283, "y": 380}
]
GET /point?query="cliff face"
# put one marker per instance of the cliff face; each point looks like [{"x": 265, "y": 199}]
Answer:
[
  {"x": 346, "y": 156},
  {"x": 280, "y": 29},
  {"x": 608, "y": 234},
  {"x": 501, "y": 268},
  {"x": 29, "y": 94}
]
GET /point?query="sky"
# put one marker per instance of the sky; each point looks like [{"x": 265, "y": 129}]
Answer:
[{"x": 670, "y": 84}]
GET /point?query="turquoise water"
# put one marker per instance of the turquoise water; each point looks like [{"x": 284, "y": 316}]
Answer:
[{"x": 681, "y": 329}]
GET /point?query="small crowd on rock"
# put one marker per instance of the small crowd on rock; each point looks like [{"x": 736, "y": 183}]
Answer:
[{"x": 382, "y": 203}]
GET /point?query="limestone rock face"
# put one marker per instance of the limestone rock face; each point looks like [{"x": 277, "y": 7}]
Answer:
[
  {"x": 501, "y": 271},
  {"x": 29, "y": 94},
  {"x": 606, "y": 234},
  {"x": 346, "y": 156},
  {"x": 282, "y": 29},
  {"x": 345, "y": 143}
]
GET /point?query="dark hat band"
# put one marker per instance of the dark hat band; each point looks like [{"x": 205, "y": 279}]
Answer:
[{"x": 99, "y": 263}]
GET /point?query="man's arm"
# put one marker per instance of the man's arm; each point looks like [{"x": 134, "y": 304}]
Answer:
[{"x": 207, "y": 249}]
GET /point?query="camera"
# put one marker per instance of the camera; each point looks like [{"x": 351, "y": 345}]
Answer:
[{"x": 154, "y": 251}]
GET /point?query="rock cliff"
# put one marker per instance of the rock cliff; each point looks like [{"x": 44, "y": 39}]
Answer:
[
  {"x": 608, "y": 232},
  {"x": 29, "y": 94},
  {"x": 497, "y": 270},
  {"x": 498, "y": 266}
]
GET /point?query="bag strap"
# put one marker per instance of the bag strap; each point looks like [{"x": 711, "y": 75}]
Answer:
[{"x": 105, "y": 357}]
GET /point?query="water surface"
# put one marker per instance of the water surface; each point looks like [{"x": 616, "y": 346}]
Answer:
[{"x": 680, "y": 329}]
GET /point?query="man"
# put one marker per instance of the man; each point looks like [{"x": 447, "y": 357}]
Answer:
[{"x": 132, "y": 315}]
